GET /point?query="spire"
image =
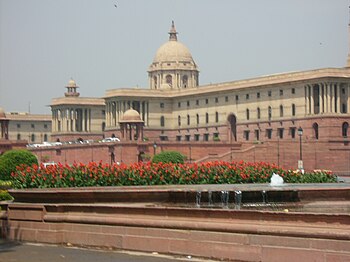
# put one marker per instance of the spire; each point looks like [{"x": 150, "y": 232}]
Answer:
[{"x": 172, "y": 33}]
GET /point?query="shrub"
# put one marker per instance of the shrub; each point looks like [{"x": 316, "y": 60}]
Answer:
[
  {"x": 4, "y": 195},
  {"x": 13, "y": 158},
  {"x": 169, "y": 157}
]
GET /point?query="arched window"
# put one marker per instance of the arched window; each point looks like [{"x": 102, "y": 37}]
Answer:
[
  {"x": 162, "y": 121},
  {"x": 281, "y": 110},
  {"x": 179, "y": 120},
  {"x": 315, "y": 129},
  {"x": 197, "y": 117},
  {"x": 216, "y": 117},
  {"x": 345, "y": 128},
  {"x": 247, "y": 114},
  {"x": 293, "y": 109},
  {"x": 269, "y": 112},
  {"x": 188, "y": 120},
  {"x": 155, "y": 82},
  {"x": 169, "y": 80},
  {"x": 206, "y": 118},
  {"x": 258, "y": 114},
  {"x": 185, "y": 81}
]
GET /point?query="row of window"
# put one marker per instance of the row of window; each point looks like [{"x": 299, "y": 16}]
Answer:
[
  {"x": 258, "y": 111},
  {"x": 292, "y": 132},
  {"x": 33, "y": 137},
  {"x": 269, "y": 112},
  {"x": 32, "y": 126},
  {"x": 247, "y": 96}
]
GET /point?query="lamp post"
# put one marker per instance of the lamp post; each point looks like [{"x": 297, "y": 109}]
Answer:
[
  {"x": 300, "y": 162},
  {"x": 154, "y": 147}
]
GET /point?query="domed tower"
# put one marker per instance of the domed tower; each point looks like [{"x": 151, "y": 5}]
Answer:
[
  {"x": 173, "y": 66},
  {"x": 71, "y": 89}
]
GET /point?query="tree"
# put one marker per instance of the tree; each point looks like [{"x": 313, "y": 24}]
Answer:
[{"x": 13, "y": 158}]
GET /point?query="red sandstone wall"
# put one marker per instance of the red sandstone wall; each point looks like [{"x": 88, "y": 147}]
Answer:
[{"x": 316, "y": 154}]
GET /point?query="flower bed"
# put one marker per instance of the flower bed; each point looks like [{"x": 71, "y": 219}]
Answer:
[{"x": 102, "y": 174}]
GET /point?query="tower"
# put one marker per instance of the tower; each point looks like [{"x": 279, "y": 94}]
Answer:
[{"x": 173, "y": 66}]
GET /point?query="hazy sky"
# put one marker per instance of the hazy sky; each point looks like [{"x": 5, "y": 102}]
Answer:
[{"x": 43, "y": 43}]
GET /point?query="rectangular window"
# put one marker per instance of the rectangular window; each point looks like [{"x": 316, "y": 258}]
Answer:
[
  {"x": 269, "y": 93},
  {"x": 187, "y": 137},
  {"x": 246, "y": 135},
  {"x": 247, "y": 96},
  {"x": 179, "y": 104},
  {"x": 280, "y": 133},
  {"x": 103, "y": 112},
  {"x": 237, "y": 97},
  {"x": 178, "y": 138},
  {"x": 45, "y": 126},
  {"x": 161, "y": 105},
  {"x": 206, "y": 101},
  {"x": 293, "y": 90},
  {"x": 196, "y": 137},
  {"x": 269, "y": 133},
  {"x": 163, "y": 138},
  {"x": 188, "y": 103},
  {"x": 226, "y": 98},
  {"x": 281, "y": 92},
  {"x": 32, "y": 125},
  {"x": 216, "y": 100},
  {"x": 257, "y": 135},
  {"x": 258, "y": 95},
  {"x": 206, "y": 137},
  {"x": 197, "y": 102},
  {"x": 292, "y": 132},
  {"x": 18, "y": 125}
]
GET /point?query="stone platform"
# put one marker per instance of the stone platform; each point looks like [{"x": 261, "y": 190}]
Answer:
[{"x": 128, "y": 219}]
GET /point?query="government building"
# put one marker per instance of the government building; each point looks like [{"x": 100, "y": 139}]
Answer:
[{"x": 296, "y": 120}]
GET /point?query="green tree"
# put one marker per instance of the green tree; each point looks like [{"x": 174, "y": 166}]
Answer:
[{"x": 13, "y": 158}]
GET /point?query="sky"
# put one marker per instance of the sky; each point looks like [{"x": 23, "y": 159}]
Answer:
[{"x": 44, "y": 43}]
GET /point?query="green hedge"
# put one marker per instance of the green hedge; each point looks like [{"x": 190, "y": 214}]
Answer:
[
  {"x": 13, "y": 158},
  {"x": 169, "y": 157}
]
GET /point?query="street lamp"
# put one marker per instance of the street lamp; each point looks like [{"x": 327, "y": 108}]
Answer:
[
  {"x": 154, "y": 147},
  {"x": 300, "y": 162}
]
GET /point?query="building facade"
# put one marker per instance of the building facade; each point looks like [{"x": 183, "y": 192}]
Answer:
[{"x": 280, "y": 118}]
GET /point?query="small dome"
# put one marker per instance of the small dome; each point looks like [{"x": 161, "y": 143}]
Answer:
[
  {"x": 2, "y": 113},
  {"x": 131, "y": 115},
  {"x": 72, "y": 83}
]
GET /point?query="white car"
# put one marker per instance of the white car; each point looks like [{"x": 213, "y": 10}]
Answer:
[{"x": 110, "y": 139}]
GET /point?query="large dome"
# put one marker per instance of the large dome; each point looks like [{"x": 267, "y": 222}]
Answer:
[{"x": 173, "y": 51}]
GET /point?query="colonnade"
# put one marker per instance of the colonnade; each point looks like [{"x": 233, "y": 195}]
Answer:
[
  {"x": 115, "y": 110},
  {"x": 156, "y": 80},
  {"x": 327, "y": 97},
  {"x": 71, "y": 120}
]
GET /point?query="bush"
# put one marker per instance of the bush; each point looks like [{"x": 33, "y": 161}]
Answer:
[
  {"x": 13, "y": 158},
  {"x": 4, "y": 195},
  {"x": 169, "y": 157}
]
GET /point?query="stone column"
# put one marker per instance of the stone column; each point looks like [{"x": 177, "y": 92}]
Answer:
[
  {"x": 321, "y": 99},
  {"x": 338, "y": 98},
  {"x": 312, "y": 100},
  {"x": 348, "y": 100}
]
